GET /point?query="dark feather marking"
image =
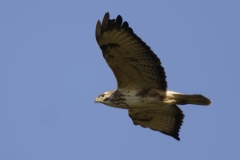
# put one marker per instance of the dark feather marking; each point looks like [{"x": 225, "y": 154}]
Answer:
[
  {"x": 118, "y": 97},
  {"x": 110, "y": 24},
  {"x": 148, "y": 93},
  {"x": 108, "y": 46},
  {"x": 132, "y": 59},
  {"x": 118, "y": 22},
  {"x": 125, "y": 24}
]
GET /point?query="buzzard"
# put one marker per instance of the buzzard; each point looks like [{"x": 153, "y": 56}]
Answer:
[{"x": 141, "y": 80}]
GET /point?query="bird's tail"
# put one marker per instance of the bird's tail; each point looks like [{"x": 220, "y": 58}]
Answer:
[{"x": 192, "y": 99}]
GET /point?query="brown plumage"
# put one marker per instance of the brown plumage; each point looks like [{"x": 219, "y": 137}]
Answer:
[
  {"x": 133, "y": 62},
  {"x": 142, "y": 85}
]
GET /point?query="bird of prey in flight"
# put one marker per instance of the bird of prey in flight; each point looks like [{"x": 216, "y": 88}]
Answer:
[{"x": 141, "y": 80}]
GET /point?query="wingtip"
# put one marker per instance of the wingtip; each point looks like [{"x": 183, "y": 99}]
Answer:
[
  {"x": 176, "y": 137},
  {"x": 98, "y": 30},
  {"x": 107, "y": 14},
  {"x": 106, "y": 17}
]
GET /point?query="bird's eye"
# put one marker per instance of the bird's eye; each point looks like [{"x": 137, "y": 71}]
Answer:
[{"x": 101, "y": 95}]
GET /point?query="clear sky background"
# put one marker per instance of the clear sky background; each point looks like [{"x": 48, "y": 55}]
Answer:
[{"x": 51, "y": 71}]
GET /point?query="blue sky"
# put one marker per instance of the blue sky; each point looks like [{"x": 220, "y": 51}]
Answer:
[{"x": 52, "y": 70}]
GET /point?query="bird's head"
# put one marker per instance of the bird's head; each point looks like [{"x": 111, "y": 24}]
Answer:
[{"x": 104, "y": 97}]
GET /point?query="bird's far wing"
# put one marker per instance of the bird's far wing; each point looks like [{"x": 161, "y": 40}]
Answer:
[
  {"x": 133, "y": 63},
  {"x": 167, "y": 120}
]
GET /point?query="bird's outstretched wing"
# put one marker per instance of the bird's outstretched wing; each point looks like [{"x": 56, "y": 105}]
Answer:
[
  {"x": 167, "y": 120},
  {"x": 132, "y": 61}
]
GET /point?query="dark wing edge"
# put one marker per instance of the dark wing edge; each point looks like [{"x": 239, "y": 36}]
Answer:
[
  {"x": 167, "y": 121},
  {"x": 110, "y": 24}
]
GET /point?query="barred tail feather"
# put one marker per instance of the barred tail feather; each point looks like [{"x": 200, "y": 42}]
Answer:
[{"x": 192, "y": 99}]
